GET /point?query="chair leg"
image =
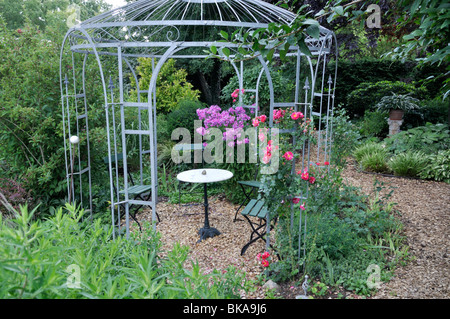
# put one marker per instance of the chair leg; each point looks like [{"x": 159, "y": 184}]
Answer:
[
  {"x": 137, "y": 208},
  {"x": 255, "y": 231},
  {"x": 131, "y": 215},
  {"x": 146, "y": 199}
]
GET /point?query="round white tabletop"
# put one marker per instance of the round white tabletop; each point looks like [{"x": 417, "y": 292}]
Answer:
[{"x": 204, "y": 175}]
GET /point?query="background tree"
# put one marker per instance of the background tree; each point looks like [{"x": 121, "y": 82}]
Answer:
[
  {"x": 31, "y": 143},
  {"x": 42, "y": 13}
]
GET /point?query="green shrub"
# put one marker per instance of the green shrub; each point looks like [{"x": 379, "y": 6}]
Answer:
[
  {"x": 345, "y": 137},
  {"x": 437, "y": 167},
  {"x": 375, "y": 162},
  {"x": 283, "y": 85},
  {"x": 63, "y": 257},
  {"x": 408, "y": 164},
  {"x": 366, "y": 149},
  {"x": 346, "y": 232},
  {"x": 374, "y": 124},
  {"x": 429, "y": 139},
  {"x": 344, "y": 241},
  {"x": 30, "y": 113},
  {"x": 184, "y": 116},
  {"x": 366, "y": 95},
  {"x": 431, "y": 111},
  {"x": 172, "y": 87}
]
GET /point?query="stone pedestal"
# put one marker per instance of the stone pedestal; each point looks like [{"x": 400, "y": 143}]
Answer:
[{"x": 394, "y": 126}]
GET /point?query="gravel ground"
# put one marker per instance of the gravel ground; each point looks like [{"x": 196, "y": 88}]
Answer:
[{"x": 424, "y": 208}]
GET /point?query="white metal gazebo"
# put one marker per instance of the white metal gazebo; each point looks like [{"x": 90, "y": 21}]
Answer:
[{"x": 160, "y": 30}]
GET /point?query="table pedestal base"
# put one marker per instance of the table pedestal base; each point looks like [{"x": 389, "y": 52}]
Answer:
[{"x": 207, "y": 232}]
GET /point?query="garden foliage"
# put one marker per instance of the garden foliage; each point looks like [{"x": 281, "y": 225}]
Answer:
[
  {"x": 420, "y": 152},
  {"x": 347, "y": 231},
  {"x": 366, "y": 95},
  {"x": 172, "y": 86},
  {"x": 30, "y": 112},
  {"x": 65, "y": 258}
]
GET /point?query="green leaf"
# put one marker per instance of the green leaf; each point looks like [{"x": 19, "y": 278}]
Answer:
[
  {"x": 414, "y": 6},
  {"x": 304, "y": 48},
  {"x": 224, "y": 34},
  {"x": 339, "y": 10},
  {"x": 226, "y": 52},
  {"x": 313, "y": 30},
  {"x": 242, "y": 51},
  {"x": 319, "y": 13},
  {"x": 310, "y": 22},
  {"x": 270, "y": 55}
]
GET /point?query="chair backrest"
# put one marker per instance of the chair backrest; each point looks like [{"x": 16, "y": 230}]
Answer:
[{"x": 112, "y": 158}]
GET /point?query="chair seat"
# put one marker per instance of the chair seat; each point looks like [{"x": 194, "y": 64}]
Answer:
[
  {"x": 255, "y": 208},
  {"x": 255, "y": 184},
  {"x": 137, "y": 189}
]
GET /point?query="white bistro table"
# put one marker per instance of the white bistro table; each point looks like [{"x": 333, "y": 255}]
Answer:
[{"x": 205, "y": 176}]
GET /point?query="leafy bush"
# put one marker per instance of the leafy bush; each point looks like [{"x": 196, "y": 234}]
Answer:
[
  {"x": 345, "y": 137},
  {"x": 429, "y": 139},
  {"x": 431, "y": 111},
  {"x": 346, "y": 232},
  {"x": 366, "y": 95},
  {"x": 172, "y": 86},
  {"x": 30, "y": 134},
  {"x": 409, "y": 163},
  {"x": 375, "y": 162},
  {"x": 366, "y": 149},
  {"x": 374, "y": 124},
  {"x": 63, "y": 257},
  {"x": 437, "y": 167},
  {"x": 184, "y": 116},
  {"x": 283, "y": 88}
]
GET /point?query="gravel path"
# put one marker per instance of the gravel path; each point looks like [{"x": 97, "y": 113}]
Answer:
[{"x": 424, "y": 208}]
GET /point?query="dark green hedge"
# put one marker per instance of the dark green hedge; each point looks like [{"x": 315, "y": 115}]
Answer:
[{"x": 353, "y": 73}]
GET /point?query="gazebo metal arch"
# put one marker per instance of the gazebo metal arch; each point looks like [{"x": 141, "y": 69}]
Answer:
[{"x": 160, "y": 30}]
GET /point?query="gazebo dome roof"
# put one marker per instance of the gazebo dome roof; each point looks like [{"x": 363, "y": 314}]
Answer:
[
  {"x": 186, "y": 12},
  {"x": 159, "y": 21}
]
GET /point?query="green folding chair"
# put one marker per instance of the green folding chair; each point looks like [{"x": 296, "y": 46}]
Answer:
[
  {"x": 137, "y": 192},
  {"x": 248, "y": 188}
]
